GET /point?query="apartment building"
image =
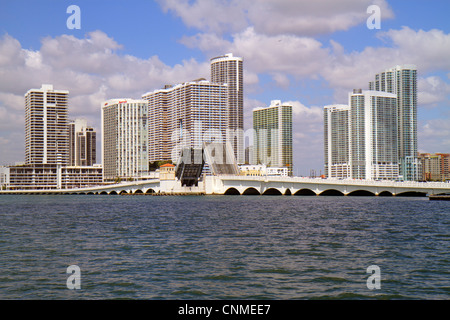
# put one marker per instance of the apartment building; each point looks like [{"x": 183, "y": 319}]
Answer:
[
  {"x": 185, "y": 115},
  {"x": 229, "y": 69},
  {"x": 272, "y": 130},
  {"x": 402, "y": 81},
  {"x": 82, "y": 143},
  {"x": 337, "y": 142},
  {"x": 46, "y": 120},
  {"x": 124, "y": 139}
]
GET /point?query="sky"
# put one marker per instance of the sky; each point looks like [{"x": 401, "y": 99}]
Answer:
[{"x": 306, "y": 53}]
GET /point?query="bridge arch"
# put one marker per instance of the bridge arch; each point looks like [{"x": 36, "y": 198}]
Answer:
[
  {"x": 232, "y": 191},
  {"x": 272, "y": 192},
  {"x": 113, "y": 192},
  {"x": 361, "y": 193},
  {"x": 103, "y": 192},
  {"x": 123, "y": 192},
  {"x": 411, "y": 194},
  {"x": 138, "y": 191},
  {"x": 331, "y": 192},
  {"x": 251, "y": 192},
  {"x": 305, "y": 192},
  {"x": 150, "y": 191},
  {"x": 385, "y": 194}
]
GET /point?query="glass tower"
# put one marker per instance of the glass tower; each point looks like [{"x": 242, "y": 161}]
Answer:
[
  {"x": 272, "y": 130},
  {"x": 402, "y": 81}
]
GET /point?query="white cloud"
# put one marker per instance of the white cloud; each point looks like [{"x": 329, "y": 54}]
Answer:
[
  {"x": 428, "y": 50},
  {"x": 91, "y": 68},
  {"x": 279, "y": 55},
  {"x": 432, "y": 90},
  {"x": 434, "y": 136},
  {"x": 273, "y": 17},
  {"x": 208, "y": 15}
]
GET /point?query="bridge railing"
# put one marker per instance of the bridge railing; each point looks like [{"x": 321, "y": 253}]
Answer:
[{"x": 382, "y": 183}]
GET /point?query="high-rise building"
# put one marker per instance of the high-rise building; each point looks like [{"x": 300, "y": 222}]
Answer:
[
  {"x": 185, "y": 115},
  {"x": 272, "y": 128},
  {"x": 402, "y": 81},
  {"x": 435, "y": 167},
  {"x": 82, "y": 144},
  {"x": 229, "y": 69},
  {"x": 124, "y": 139},
  {"x": 46, "y": 131},
  {"x": 373, "y": 132},
  {"x": 360, "y": 139},
  {"x": 337, "y": 141}
]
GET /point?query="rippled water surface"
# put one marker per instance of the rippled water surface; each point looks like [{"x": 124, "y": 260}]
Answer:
[{"x": 223, "y": 247}]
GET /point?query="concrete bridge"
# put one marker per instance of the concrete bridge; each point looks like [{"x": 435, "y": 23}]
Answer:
[
  {"x": 259, "y": 185},
  {"x": 323, "y": 187}
]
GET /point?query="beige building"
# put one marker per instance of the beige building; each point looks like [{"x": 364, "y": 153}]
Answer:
[
  {"x": 185, "y": 115},
  {"x": 435, "y": 167},
  {"x": 167, "y": 172},
  {"x": 82, "y": 144}
]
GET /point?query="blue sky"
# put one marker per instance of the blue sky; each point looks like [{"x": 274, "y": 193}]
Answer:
[{"x": 308, "y": 53}]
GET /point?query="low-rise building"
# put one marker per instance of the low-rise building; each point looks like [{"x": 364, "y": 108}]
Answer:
[
  {"x": 263, "y": 170},
  {"x": 167, "y": 172},
  {"x": 53, "y": 176},
  {"x": 4, "y": 177}
]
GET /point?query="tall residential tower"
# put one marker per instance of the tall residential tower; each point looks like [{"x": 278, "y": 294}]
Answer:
[
  {"x": 337, "y": 141},
  {"x": 360, "y": 139},
  {"x": 373, "y": 135},
  {"x": 272, "y": 129},
  {"x": 185, "y": 115},
  {"x": 82, "y": 144},
  {"x": 229, "y": 69},
  {"x": 124, "y": 139},
  {"x": 46, "y": 131},
  {"x": 402, "y": 81}
]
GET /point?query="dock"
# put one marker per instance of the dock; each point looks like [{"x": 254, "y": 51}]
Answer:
[{"x": 440, "y": 197}]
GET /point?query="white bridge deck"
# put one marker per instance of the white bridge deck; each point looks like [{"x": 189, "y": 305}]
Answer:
[{"x": 264, "y": 185}]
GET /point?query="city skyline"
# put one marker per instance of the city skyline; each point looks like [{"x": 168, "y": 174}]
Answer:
[{"x": 308, "y": 64}]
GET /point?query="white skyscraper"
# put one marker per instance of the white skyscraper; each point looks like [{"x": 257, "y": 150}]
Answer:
[
  {"x": 360, "y": 139},
  {"x": 402, "y": 81},
  {"x": 337, "y": 141},
  {"x": 124, "y": 139},
  {"x": 373, "y": 131},
  {"x": 229, "y": 69},
  {"x": 46, "y": 126}
]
